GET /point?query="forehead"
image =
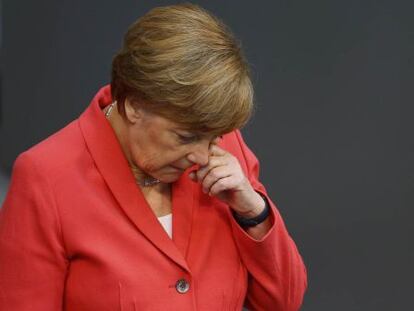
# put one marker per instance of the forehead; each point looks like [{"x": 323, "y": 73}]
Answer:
[
  {"x": 152, "y": 119},
  {"x": 163, "y": 123}
]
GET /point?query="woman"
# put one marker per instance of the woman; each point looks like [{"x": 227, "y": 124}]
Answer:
[{"x": 151, "y": 199}]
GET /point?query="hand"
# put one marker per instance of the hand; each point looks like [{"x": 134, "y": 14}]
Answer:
[{"x": 223, "y": 178}]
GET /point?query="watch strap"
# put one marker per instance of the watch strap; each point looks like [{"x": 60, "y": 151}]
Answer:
[{"x": 251, "y": 222}]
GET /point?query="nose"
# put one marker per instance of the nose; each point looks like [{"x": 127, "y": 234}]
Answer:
[{"x": 200, "y": 153}]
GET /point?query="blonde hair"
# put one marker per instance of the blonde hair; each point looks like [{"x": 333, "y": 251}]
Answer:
[{"x": 184, "y": 64}]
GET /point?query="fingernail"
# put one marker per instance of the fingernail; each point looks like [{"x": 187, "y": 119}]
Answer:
[{"x": 191, "y": 158}]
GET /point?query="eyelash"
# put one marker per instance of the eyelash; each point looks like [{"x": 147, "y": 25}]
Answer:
[
  {"x": 187, "y": 139},
  {"x": 191, "y": 139}
]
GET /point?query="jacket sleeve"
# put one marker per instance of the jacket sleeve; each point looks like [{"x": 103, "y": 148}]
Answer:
[
  {"x": 32, "y": 258},
  {"x": 277, "y": 274}
]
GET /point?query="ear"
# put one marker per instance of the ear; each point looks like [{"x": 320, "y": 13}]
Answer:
[{"x": 133, "y": 113}]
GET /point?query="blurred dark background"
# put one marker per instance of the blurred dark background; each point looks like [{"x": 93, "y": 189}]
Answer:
[{"x": 333, "y": 127}]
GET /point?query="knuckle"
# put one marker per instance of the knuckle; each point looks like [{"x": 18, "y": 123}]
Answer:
[
  {"x": 214, "y": 173},
  {"x": 221, "y": 183}
]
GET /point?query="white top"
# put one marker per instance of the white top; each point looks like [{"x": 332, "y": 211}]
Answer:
[{"x": 166, "y": 222}]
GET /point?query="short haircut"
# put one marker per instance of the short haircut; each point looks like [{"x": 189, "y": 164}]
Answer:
[{"x": 183, "y": 63}]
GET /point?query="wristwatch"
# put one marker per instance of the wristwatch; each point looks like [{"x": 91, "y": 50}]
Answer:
[{"x": 251, "y": 222}]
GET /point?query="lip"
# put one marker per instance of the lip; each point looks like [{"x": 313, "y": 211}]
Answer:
[
  {"x": 184, "y": 169},
  {"x": 177, "y": 168}
]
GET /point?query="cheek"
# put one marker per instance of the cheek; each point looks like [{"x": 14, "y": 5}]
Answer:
[
  {"x": 181, "y": 161},
  {"x": 153, "y": 151},
  {"x": 174, "y": 158},
  {"x": 156, "y": 158},
  {"x": 169, "y": 159},
  {"x": 146, "y": 160}
]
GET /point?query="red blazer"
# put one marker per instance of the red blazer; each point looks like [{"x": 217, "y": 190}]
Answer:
[{"x": 76, "y": 234}]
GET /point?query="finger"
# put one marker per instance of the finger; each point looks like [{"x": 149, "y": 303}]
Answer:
[
  {"x": 213, "y": 176},
  {"x": 221, "y": 185},
  {"x": 216, "y": 150},
  {"x": 193, "y": 176},
  {"x": 216, "y": 140},
  {"x": 212, "y": 163}
]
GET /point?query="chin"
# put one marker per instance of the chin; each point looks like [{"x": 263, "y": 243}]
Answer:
[
  {"x": 168, "y": 179},
  {"x": 170, "y": 176}
]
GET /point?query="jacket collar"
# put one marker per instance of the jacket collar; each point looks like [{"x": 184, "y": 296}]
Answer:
[{"x": 110, "y": 161}]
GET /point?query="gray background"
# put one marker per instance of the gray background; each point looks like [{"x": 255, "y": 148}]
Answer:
[{"x": 333, "y": 129}]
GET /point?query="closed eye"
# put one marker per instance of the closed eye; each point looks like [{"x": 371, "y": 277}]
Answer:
[{"x": 188, "y": 139}]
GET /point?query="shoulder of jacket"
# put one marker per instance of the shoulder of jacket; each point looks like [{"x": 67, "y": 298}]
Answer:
[{"x": 56, "y": 151}]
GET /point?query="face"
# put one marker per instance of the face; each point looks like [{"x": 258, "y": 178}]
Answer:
[{"x": 161, "y": 148}]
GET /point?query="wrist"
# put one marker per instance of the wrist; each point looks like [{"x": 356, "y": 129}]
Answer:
[
  {"x": 259, "y": 217},
  {"x": 256, "y": 207}
]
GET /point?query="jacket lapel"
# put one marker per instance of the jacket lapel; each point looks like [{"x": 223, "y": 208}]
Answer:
[
  {"x": 184, "y": 205},
  {"x": 113, "y": 166}
]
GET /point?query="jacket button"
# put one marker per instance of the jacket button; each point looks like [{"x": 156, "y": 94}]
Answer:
[{"x": 182, "y": 286}]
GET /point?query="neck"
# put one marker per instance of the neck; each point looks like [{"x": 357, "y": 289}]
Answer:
[{"x": 118, "y": 124}]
